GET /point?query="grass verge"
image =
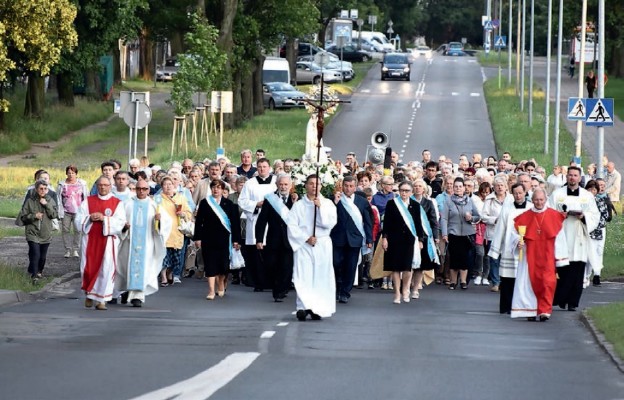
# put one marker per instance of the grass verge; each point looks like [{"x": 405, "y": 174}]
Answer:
[
  {"x": 609, "y": 320},
  {"x": 512, "y": 132},
  {"x": 15, "y": 279},
  {"x": 615, "y": 89},
  {"x": 492, "y": 59}
]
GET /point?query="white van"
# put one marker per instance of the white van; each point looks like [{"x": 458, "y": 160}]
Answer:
[
  {"x": 275, "y": 69},
  {"x": 378, "y": 37}
]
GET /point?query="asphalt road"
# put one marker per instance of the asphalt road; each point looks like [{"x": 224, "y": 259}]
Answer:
[
  {"x": 441, "y": 109},
  {"x": 446, "y": 345}
]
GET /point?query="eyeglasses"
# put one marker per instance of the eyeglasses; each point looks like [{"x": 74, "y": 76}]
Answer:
[
  {"x": 395, "y": 190},
  {"x": 405, "y": 190}
]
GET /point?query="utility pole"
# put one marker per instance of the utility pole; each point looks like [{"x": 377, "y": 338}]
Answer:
[
  {"x": 531, "y": 59},
  {"x": 558, "y": 87},
  {"x": 601, "y": 82},
  {"x": 510, "y": 42},
  {"x": 547, "y": 102},
  {"x": 579, "y": 124},
  {"x": 522, "y": 56},
  {"x": 518, "y": 47}
]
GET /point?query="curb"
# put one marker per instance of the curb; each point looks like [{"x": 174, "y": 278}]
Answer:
[
  {"x": 602, "y": 341},
  {"x": 10, "y": 297}
]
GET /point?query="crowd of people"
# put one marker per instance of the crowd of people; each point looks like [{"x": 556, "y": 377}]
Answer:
[{"x": 532, "y": 237}]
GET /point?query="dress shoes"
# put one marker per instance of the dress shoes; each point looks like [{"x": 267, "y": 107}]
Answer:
[
  {"x": 596, "y": 280},
  {"x": 343, "y": 299},
  {"x": 221, "y": 293},
  {"x": 544, "y": 318},
  {"x": 531, "y": 319},
  {"x": 315, "y": 317},
  {"x": 210, "y": 296},
  {"x": 570, "y": 308},
  {"x": 136, "y": 303},
  {"x": 112, "y": 301},
  {"x": 301, "y": 315},
  {"x": 88, "y": 303},
  {"x": 124, "y": 297},
  {"x": 101, "y": 306}
]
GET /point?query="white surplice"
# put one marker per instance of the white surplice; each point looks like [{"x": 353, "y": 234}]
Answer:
[
  {"x": 142, "y": 250},
  {"x": 503, "y": 236},
  {"x": 313, "y": 273},
  {"x": 252, "y": 193}
]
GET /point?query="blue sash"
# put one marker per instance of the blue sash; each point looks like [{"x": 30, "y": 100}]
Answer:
[
  {"x": 138, "y": 237},
  {"x": 216, "y": 208},
  {"x": 278, "y": 205},
  {"x": 355, "y": 215},
  {"x": 431, "y": 249},
  {"x": 409, "y": 221}
]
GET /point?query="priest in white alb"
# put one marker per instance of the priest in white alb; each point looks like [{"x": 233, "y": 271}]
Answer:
[
  {"x": 143, "y": 248},
  {"x": 100, "y": 220},
  {"x": 313, "y": 272}
]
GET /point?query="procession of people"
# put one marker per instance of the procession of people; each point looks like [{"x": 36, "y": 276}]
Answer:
[{"x": 533, "y": 239}]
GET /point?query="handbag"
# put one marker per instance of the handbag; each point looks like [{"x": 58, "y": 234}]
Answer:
[
  {"x": 237, "y": 261},
  {"x": 187, "y": 227},
  {"x": 56, "y": 225}
]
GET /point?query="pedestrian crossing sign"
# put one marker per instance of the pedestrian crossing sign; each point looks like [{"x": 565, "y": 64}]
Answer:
[
  {"x": 600, "y": 112},
  {"x": 577, "y": 111},
  {"x": 488, "y": 26},
  {"x": 500, "y": 42}
]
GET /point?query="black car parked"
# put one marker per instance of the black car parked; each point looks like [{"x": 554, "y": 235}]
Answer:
[{"x": 350, "y": 52}]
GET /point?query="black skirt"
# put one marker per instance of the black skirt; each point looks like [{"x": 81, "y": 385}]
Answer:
[{"x": 459, "y": 249}]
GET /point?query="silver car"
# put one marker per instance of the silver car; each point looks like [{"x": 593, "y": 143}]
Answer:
[
  {"x": 311, "y": 73},
  {"x": 282, "y": 95}
]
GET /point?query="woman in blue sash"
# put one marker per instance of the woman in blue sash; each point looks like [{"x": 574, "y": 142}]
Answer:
[
  {"x": 217, "y": 232},
  {"x": 401, "y": 229}
]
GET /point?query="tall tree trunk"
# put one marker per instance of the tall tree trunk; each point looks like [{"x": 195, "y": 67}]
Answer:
[
  {"x": 291, "y": 56},
  {"x": 177, "y": 43},
  {"x": 258, "y": 96},
  {"x": 65, "y": 89},
  {"x": 247, "y": 90},
  {"x": 2, "y": 123},
  {"x": 617, "y": 62},
  {"x": 35, "y": 96},
  {"x": 226, "y": 41},
  {"x": 116, "y": 64},
  {"x": 239, "y": 90},
  {"x": 93, "y": 86},
  {"x": 146, "y": 56}
]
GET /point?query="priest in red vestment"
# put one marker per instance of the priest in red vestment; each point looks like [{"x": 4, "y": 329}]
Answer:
[
  {"x": 538, "y": 241},
  {"x": 101, "y": 220}
]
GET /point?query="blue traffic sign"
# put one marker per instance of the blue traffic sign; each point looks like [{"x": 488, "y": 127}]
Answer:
[
  {"x": 577, "y": 110},
  {"x": 488, "y": 26},
  {"x": 500, "y": 41},
  {"x": 599, "y": 112}
]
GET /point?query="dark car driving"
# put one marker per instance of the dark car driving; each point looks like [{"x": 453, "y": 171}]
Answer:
[{"x": 395, "y": 66}]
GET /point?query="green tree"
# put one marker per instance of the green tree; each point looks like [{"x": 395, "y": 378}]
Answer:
[
  {"x": 201, "y": 68},
  {"x": 100, "y": 25},
  {"x": 35, "y": 35}
]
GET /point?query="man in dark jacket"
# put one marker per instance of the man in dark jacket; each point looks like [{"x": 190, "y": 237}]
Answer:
[
  {"x": 278, "y": 255},
  {"x": 352, "y": 233}
]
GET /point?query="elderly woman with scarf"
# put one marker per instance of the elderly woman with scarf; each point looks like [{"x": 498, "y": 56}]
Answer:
[
  {"x": 402, "y": 239},
  {"x": 598, "y": 235},
  {"x": 456, "y": 222}
]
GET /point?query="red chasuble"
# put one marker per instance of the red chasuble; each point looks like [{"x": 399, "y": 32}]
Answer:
[
  {"x": 97, "y": 240},
  {"x": 541, "y": 231}
]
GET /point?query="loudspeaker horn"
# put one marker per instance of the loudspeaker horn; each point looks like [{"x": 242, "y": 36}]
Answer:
[{"x": 379, "y": 140}]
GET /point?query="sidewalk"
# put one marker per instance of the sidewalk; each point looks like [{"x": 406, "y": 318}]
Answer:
[{"x": 613, "y": 136}]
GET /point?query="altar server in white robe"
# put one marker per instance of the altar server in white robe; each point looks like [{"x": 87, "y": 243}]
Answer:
[
  {"x": 500, "y": 245},
  {"x": 250, "y": 201},
  {"x": 100, "y": 219},
  {"x": 313, "y": 273},
  {"x": 143, "y": 248},
  {"x": 582, "y": 217}
]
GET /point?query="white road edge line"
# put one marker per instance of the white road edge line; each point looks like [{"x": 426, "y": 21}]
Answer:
[
  {"x": 267, "y": 334},
  {"x": 205, "y": 384}
]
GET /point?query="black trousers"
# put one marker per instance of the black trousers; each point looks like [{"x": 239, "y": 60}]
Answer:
[
  {"x": 37, "y": 253},
  {"x": 254, "y": 264},
  {"x": 345, "y": 266},
  {"x": 506, "y": 290},
  {"x": 570, "y": 284},
  {"x": 279, "y": 267}
]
